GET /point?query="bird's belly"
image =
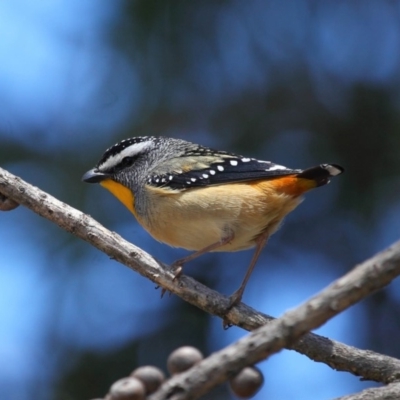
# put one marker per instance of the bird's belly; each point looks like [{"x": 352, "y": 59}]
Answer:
[
  {"x": 196, "y": 234},
  {"x": 197, "y": 218}
]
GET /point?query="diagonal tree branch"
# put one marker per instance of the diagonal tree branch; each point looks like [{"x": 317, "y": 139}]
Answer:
[
  {"x": 366, "y": 278},
  {"x": 281, "y": 332},
  {"x": 389, "y": 392}
]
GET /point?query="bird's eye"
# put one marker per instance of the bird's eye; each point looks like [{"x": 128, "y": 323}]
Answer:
[{"x": 127, "y": 161}]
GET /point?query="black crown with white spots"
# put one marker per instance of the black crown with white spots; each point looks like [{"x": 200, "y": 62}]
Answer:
[{"x": 124, "y": 144}]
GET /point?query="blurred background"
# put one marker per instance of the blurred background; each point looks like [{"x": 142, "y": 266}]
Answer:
[{"x": 297, "y": 82}]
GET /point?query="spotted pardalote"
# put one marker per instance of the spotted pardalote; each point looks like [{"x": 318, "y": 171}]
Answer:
[{"x": 190, "y": 196}]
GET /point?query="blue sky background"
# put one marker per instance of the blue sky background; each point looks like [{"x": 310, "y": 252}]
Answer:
[{"x": 297, "y": 82}]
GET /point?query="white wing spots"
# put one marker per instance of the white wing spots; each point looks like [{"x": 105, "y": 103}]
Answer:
[
  {"x": 129, "y": 151},
  {"x": 163, "y": 180},
  {"x": 233, "y": 162},
  {"x": 157, "y": 180},
  {"x": 275, "y": 167},
  {"x": 212, "y": 172},
  {"x": 188, "y": 182},
  {"x": 220, "y": 168},
  {"x": 205, "y": 176},
  {"x": 193, "y": 179},
  {"x": 245, "y": 159},
  {"x": 171, "y": 177}
]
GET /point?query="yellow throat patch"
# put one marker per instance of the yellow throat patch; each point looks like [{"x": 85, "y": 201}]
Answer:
[{"x": 121, "y": 192}]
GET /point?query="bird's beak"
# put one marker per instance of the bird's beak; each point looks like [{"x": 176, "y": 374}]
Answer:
[{"x": 94, "y": 176}]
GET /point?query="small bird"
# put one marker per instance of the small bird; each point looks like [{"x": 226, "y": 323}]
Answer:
[{"x": 197, "y": 198}]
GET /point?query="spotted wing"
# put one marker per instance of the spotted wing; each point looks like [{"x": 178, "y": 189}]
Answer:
[{"x": 228, "y": 169}]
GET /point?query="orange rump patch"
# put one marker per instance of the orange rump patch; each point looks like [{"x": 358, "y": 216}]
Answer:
[{"x": 290, "y": 184}]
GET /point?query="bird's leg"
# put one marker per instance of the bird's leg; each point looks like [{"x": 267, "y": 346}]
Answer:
[
  {"x": 236, "y": 297},
  {"x": 178, "y": 264}
]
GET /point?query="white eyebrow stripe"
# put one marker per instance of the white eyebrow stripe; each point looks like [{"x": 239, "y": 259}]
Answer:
[{"x": 131, "y": 150}]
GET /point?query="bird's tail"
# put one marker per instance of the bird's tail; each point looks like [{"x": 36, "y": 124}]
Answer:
[{"x": 321, "y": 174}]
